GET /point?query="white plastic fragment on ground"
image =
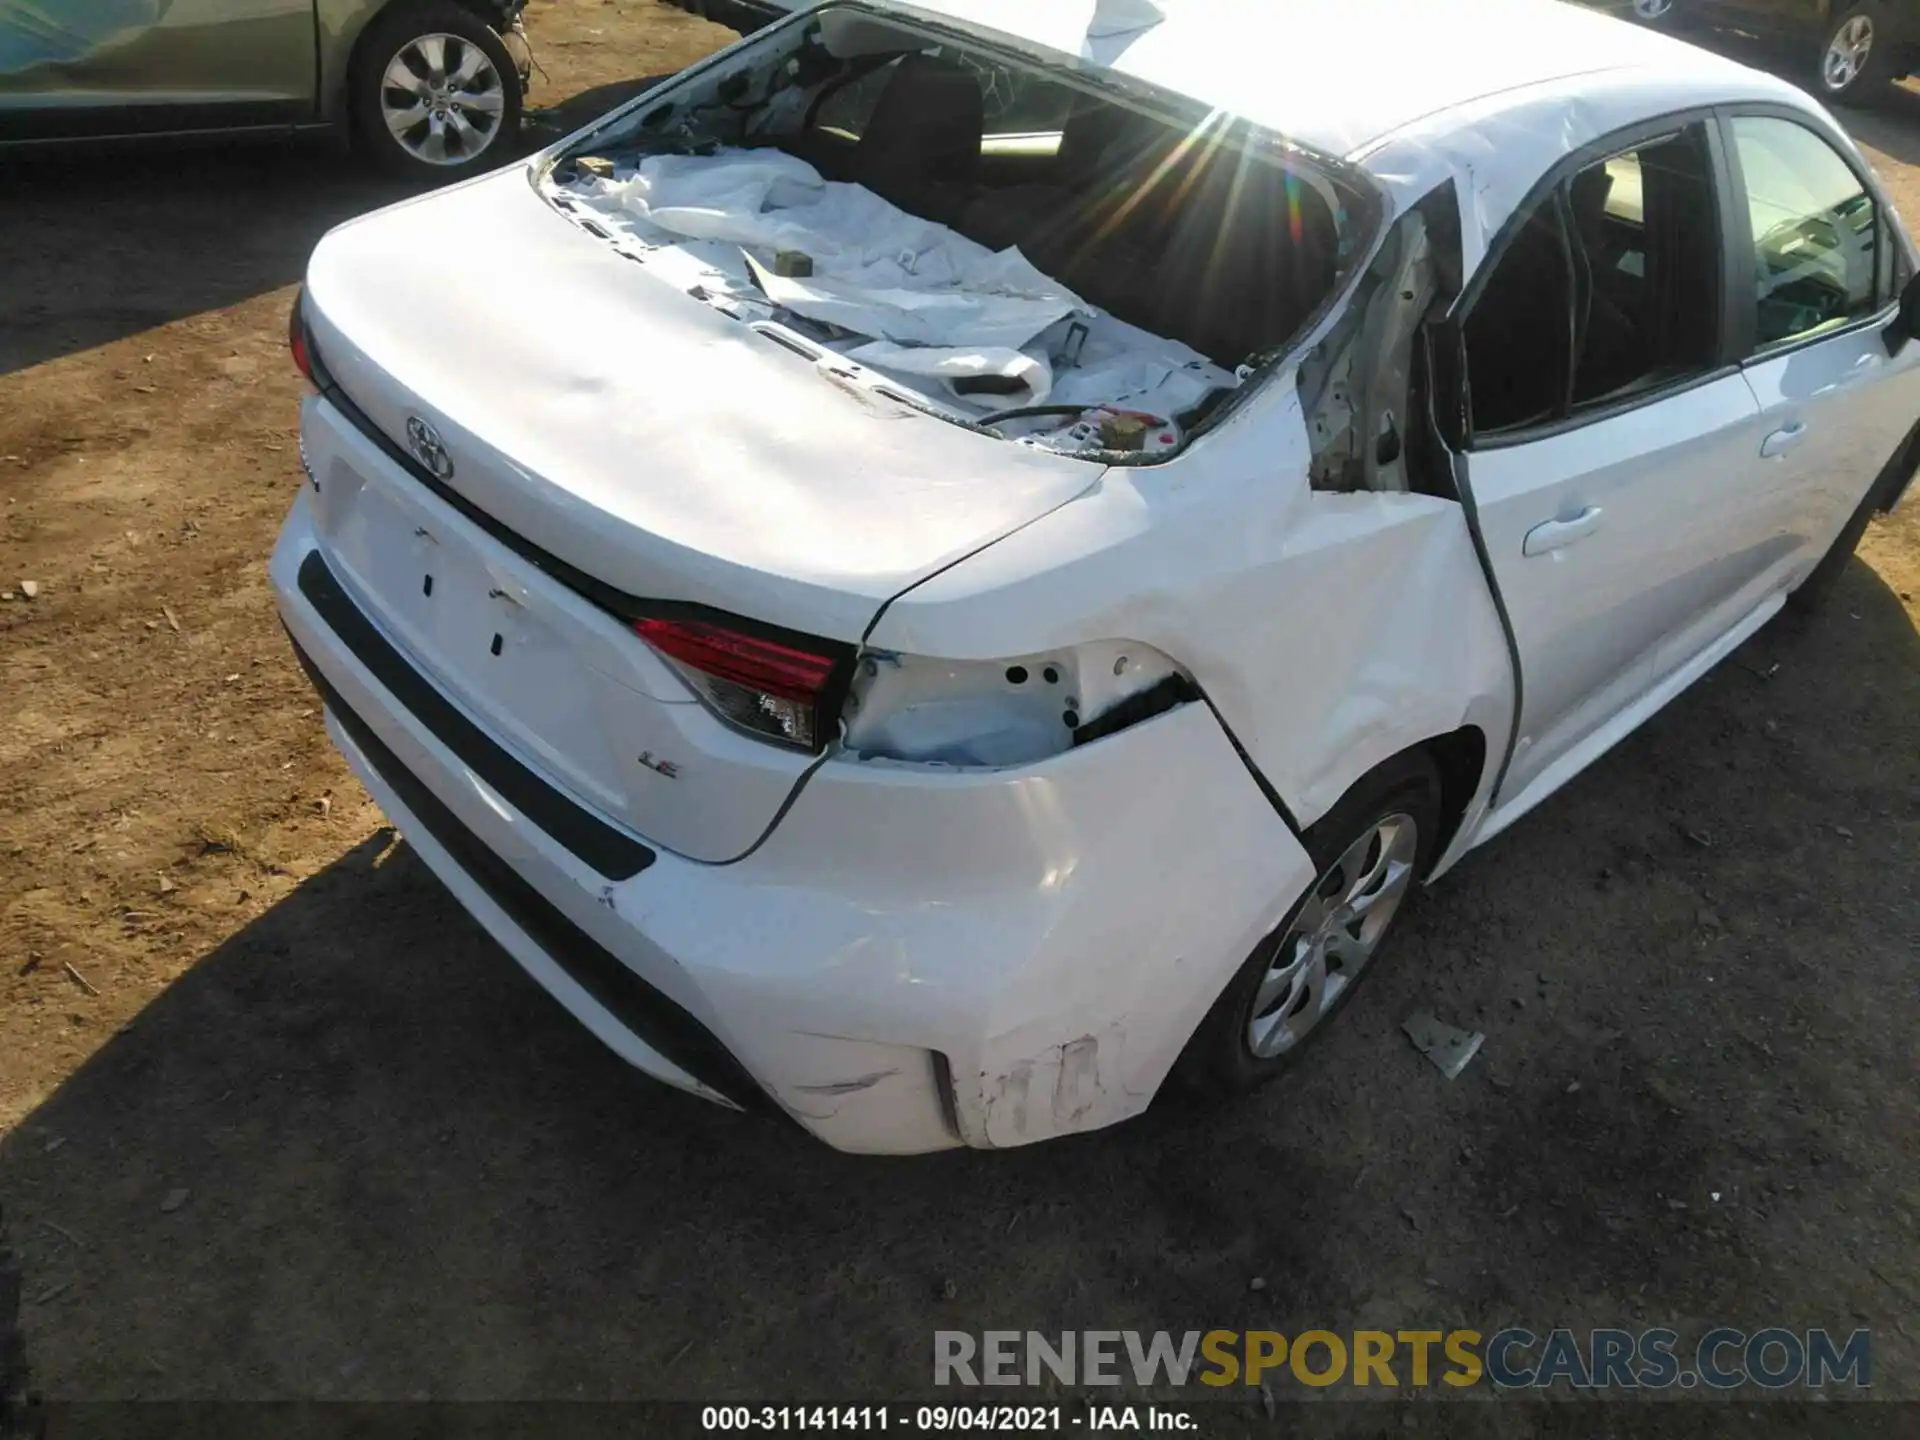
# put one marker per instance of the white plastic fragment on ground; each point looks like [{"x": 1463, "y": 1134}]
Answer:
[
  {"x": 921, "y": 299},
  {"x": 1450, "y": 1049}
]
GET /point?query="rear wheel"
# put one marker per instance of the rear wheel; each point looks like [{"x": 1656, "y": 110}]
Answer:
[
  {"x": 433, "y": 93},
  {"x": 1857, "y": 57},
  {"x": 1658, "y": 13},
  {"x": 1368, "y": 851}
]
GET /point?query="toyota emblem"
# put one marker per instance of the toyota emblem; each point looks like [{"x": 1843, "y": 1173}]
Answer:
[{"x": 424, "y": 441}]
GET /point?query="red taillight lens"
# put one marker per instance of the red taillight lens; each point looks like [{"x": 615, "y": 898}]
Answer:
[
  {"x": 760, "y": 686},
  {"x": 297, "y": 341}
]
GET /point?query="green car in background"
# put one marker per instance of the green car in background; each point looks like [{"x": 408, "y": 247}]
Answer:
[{"x": 430, "y": 88}]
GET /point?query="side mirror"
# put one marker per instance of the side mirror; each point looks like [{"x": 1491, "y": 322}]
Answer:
[{"x": 1906, "y": 325}]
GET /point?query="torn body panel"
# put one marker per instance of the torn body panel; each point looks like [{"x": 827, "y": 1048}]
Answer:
[
  {"x": 1011, "y": 712},
  {"x": 1355, "y": 383},
  {"x": 1038, "y": 935},
  {"x": 906, "y": 939},
  {"x": 1330, "y": 631}
]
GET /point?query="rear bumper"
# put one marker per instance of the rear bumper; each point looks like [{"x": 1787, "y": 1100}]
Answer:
[{"x": 913, "y": 959}]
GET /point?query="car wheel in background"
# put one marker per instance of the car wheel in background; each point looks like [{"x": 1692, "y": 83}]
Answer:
[
  {"x": 1662, "y": 14},
  {"x": 1368, "y": 851},
  {"x": 1857, "y": 60},
  {"x": 433, "y": 93}
]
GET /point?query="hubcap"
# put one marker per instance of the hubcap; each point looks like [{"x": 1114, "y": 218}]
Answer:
[
  {"x": 442, "y": 99},
  {"x": 1847, "y": 53},
  {"x": 1652, "y": 9},
  {"x": 1329, "y": 941}
]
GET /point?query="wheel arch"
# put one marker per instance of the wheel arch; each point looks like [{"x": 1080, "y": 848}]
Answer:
[{"x": 1460, "y": 759}]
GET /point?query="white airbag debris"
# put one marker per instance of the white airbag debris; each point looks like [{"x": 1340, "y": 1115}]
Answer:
[{"x": 914, "y": 298}]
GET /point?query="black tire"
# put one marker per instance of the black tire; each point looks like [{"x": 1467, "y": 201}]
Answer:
[
  {"x": 1219, "y": 1061},
  {"x": 396, "y": 30},
  {"x": 1871, "y": 81}
]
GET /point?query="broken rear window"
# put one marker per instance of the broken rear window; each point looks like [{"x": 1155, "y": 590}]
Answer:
[{"x": 1094, "y": 270}]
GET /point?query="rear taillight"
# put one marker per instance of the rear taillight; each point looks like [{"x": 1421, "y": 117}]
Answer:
[
  {"x": 297, "y": 340},
  {"x": 772, "y": 690}
]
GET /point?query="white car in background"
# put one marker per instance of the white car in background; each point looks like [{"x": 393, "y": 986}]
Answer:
[{"x": 1009, "y": 540}]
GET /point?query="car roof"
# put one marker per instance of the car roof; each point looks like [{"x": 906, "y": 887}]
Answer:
[{"x": 1338, "y": 76}]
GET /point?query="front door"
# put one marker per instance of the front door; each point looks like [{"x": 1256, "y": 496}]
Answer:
[{"x": 1827, "y": 270}]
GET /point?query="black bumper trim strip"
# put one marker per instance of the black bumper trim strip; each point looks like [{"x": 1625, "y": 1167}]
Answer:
[
  {"x": 610, "y": 852},
  {"x": 650, "y": 1015}
]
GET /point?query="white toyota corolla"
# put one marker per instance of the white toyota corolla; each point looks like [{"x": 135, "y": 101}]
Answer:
[{"x": 959, "y": 559}]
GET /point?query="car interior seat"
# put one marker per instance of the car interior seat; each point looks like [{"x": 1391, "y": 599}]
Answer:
[{"x": 920, "y": 148}]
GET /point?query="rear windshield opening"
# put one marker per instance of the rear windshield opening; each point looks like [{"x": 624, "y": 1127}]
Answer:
[{"x": 1077, "y": 269}]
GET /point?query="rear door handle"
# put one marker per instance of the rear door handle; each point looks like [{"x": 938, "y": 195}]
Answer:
[
  {"x": 1783, "y": 439},
  {"x": 1556, "y": 534}
]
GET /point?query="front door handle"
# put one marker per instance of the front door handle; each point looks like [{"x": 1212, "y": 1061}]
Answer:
[
  {"x": 1557, "y": 534},
  {"x": 1783, "y": 439}
]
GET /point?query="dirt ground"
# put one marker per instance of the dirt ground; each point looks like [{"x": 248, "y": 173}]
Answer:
[{"x": 278, "y": 1121}]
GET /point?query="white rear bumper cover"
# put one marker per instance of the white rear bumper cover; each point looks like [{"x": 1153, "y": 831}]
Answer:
[{"x": 914, "y": 958}]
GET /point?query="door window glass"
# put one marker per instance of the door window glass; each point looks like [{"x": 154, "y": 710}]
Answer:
[
  {"x": 1645, "y": 234},
  {"x": 1608, "y": 289},
  {"x": 1815, "y": 230},
  {"x": 1519, "y": 334}
]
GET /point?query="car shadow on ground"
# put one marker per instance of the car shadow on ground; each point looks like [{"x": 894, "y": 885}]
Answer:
[
  {"x": 129, "y": 237},
  {"x": 358, "y": 1113}
]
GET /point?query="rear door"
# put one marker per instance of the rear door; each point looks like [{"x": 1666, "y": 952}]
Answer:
[
  {"x": 1608, "y": 460},
  {"x": 1823, "y": 270},
  {"x": 76, "y": 68}
]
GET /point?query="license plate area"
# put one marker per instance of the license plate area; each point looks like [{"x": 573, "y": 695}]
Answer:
[{"x": 477, "y": 634}]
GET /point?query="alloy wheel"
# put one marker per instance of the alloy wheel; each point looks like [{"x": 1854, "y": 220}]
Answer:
[
  {"x": 1653, "y": 9},
  {"x": 442, "y": 99},
  {"x": 1333, "y": 935},
  {"x": 1847, "y": 53}
]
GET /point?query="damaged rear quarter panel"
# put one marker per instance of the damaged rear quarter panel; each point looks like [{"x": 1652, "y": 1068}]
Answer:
[
  {"x": 1331, "y": 631},
  {"x": 1056, "y": 935}
]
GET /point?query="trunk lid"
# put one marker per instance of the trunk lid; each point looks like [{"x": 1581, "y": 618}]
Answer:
[
  {"x": 639, "y": 435},
  {"x": 656, "y": 446}
]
